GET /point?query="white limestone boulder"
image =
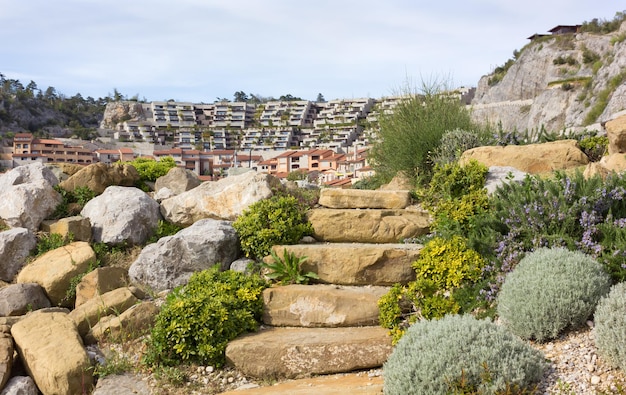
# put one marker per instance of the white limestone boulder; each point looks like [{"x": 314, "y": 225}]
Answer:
[
  {"x": 15, "y": 247},
  {"x": 172, "y": 260},
  {"x": 122, "y": 215}
]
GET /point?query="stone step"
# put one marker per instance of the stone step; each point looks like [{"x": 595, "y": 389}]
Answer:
[
  {"x": 360, "y": 198},
  {"x": 337, "y": 384},
  {"x": 298, "y": 352},
  {"x": 369, "y": 225},
  {"x": 357, "y": 263},
  {"x": 321, "y": 305}
]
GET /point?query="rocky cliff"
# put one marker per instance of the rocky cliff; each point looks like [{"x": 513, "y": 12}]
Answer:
[
  {"x": 569, "y": 81},
  {"x": 120, "y": 111}
]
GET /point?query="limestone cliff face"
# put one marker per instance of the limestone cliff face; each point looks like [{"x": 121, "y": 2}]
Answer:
[
  {"x": 121, "y": 111},
  {"x": 554, "y": 83}
]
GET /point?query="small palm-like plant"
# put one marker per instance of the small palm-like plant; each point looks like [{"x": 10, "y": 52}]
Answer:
[{"x": 288, "y": 269}]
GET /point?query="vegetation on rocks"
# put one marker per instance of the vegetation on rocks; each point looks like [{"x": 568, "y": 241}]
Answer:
[
  {"x": 610, "y": 326},
  {"x": 268, "y": 222},
  {"x": 150, "y": 169},
  {"x": 200, "y": 318}
]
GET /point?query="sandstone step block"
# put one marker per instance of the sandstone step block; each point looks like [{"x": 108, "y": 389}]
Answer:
[
  {"x": 321, "y": 305},
  {"x": 359, "y": 198},
  {"x": 368, "y": 225},
  {"x": 113, "y": 302},
  {"x": 357, "y": 263},
  {"x": 298, "y": 352},
  {"x": 336, "y": 384}
]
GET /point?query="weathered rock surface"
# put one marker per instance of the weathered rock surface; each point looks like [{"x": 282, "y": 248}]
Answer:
[
  {"x": 177, "y": 180},
  {"x": 100, "y": 281},
  {"x": 18, "y": 299},
  {"x": 41, "y": 339},
  {"x": 15, "y": 247},
  {"x": 357, "y": 198},
  {"x": 499, "y": 175},
  {"x": 6, "y": 355},
  {"x": 128, "y": 325},
  {"x": 116, "y": 111},
  {"x": 125, "y": 384},
  {"x": 531, "y": 158},
  {"x": 122, "y": 215},
  {"x": 400, "y": 182},
  {"x": 172, "y": 260},
  {"x": 321, "y": 305},
  {"x": 55, "y": 269},
  {"x": 20, "y": 385},
  {"x": 368, "y": 226},
  {"x": 356, "y": 263},
  {"x": 78, "y": 227},
  {"x": 112, "y": 302},
  {"x": 99, "y": 176},
  {"x": 536, "y": 92},
  {"x": 336, "y": 384},
  {"x": 616, "y": 133},
  {"x": 27, "y": 196},
  {"x": 294, "y": 352},
  {"x": 223, "y": 199},
  {"x": 63, "y": 171}
]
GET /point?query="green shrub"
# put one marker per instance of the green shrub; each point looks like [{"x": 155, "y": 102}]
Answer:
[
  {"x": 199, "y": 319},
  {"x": 164, "y": 228},
  {"x": 455, "y": 194},
  {"x": 444, "y": 267},
  {"x": 453, "y": 143},
  {"x": 50, "y": 241},
  {"x": 440, "y": 356},
  {"x": 72, "y": 202},
  {"x": 594, "y": 147},
  {"x": 150, "y": 169},
  {"x": 269, "y": 222},
  {"x": 610, "y": 326},
  {"x": 414, "y": 130},
  {"x": 551, "y": 289}
]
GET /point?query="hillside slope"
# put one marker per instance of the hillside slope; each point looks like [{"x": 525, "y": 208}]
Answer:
[{"x": 568, "y": 81}]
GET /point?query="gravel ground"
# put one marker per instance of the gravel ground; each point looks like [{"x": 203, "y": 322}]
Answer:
[{"x": 576, "y": 368}]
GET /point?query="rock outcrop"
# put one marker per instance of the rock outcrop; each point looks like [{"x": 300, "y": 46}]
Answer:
[
  {"x": 100, "y": 176},
  {"x": 553, "y": 84}
]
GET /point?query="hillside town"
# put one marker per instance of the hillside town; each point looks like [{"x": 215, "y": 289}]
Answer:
[{"x": 327, "y": 142}]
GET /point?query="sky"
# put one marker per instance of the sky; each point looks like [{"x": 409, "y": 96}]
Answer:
[{"x": 201, "y": 50}]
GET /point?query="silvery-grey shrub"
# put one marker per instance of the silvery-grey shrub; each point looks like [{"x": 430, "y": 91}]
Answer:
[
  {"x": 550, "y": 290},
  {"x": 433, "y": 355},
  {"x": 610, "y": 326}
]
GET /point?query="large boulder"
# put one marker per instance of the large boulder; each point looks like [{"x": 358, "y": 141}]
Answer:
[
  {"x": 99, "y": 176},
  {"x": 53, "y": 353},
  {"x": 531, "y": 158},
  {"x": 27, "y": 196},
  {"x": 122, "y": 215},
  {"x": 6, "y": 354},
  {"x": 172, "y": 260},
  {"x": 19, "y": 299},
  {"x": 89, "y": 313},
  {"x": 224, "y": 199},
  {"x": 616, "y": 132},
  {"x": 321, "y": 305},
  {"x": 359, "y": 198},
  {"x": 132, "y": 323},
  {"x": 124, "y": 384},
  {"x": 177, "y": 180},
  {"x": 15, "y": 247},
  {"x": 55, "y": 270},
  {"x": 99, "y": 281},
  {"x": 368, "y": 226}
]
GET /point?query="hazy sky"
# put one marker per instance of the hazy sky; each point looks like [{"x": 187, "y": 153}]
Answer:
[{"x": 197, "y": 50}]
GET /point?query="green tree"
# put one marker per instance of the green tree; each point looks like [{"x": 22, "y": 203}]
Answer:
[
  {"x": 320, "y": 98},
  {"x": 414, "y": 130},
  {"x": 240, "y": 96}
]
